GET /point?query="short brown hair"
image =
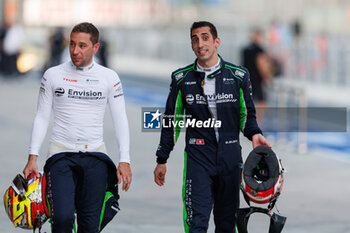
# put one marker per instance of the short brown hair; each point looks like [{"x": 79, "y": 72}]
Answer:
[{"x": 88, "y": 28}]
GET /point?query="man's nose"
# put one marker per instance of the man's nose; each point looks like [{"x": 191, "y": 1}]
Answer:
[
  {"x": 75, "y": 50},
  {"x": 200, "y": 43}
]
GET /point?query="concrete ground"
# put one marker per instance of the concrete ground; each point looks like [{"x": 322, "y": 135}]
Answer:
[{"x": 315, "y": 196}]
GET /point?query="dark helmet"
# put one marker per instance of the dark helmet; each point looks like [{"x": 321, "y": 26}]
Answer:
[
  {"x": 262, "y": 175},
  {"x": 262, "y": 181}
]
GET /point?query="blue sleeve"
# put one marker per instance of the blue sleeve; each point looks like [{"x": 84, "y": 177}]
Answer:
[
  {"x": 248, "y": 124},
  {"x": 173, "y": 112}
]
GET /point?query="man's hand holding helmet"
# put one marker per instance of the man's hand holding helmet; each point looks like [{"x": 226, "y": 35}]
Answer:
[
  {"x": 259, "y": 140},
  {"x": 31, "y": 166}
]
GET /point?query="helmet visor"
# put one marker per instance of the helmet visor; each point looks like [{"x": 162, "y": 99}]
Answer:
[{"x": 19, "y": 184}]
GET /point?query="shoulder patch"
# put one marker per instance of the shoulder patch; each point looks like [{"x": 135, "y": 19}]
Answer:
[
  {"x": 239, "y": 73},
  {"x": 179, "y": 76}
]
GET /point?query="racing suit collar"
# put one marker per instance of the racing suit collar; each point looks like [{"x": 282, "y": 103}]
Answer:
[
  {"x": 211, "y": 75},
  {"x": 210, "y": 69},
  {"x": 83, "y": 69}
]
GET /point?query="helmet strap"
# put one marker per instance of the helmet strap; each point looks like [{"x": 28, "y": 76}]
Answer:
[
  {"x": 34, "y": 228},
  {"x": 272, "y": 202},
  {"x": 36, "y": 223},
  {"x": 276, "y": 221},
  {"x": 246, "y": 198}
]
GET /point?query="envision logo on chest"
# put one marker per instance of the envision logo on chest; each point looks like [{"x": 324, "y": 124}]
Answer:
[
  {"x": 222, "y": 97},
  {"x": 75, "y": 94}
]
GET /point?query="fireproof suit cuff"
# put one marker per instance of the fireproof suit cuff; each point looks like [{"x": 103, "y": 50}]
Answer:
[
  {"x": 252, "y": 133},
  {"x": 162, "y": 154},
  {"x": 161, "y": 160}
]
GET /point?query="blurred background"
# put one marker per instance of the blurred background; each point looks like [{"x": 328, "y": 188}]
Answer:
[
  {"x": 304, "y": 43},
  {"x": 305, "y": 65}
]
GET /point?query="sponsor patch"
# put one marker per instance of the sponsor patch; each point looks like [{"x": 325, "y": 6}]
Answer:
[
  {"x": 200, "y": 142},
  {"x": 118, "y": 90},
  {"x": 228, "y": 80},
  {"x": 188, "y": 200},
  {"x": 70, "y": 80},
  {"x": 179, "y": 76},
  {"x": 116, "y": 84},
  {"x": 231, "y": 141},
  {"x": 92, "y": 81},
  {"x": 190, "y": 83},
  {"x": 239, "y": 73},
  {"x": 189, "y": 99},
  {"x": 116, "y": 96},
  {"x": 192, "y": 141},
  {"x": 195, "y": 141},
  {"x": 59, "y": 91}
]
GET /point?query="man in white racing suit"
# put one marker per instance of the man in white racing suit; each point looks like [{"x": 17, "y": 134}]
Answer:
[{"x": 77, "y": 92}]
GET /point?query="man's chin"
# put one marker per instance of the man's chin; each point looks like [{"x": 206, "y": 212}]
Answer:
[
  {"x": 78, "y": 64},
  {"x": 202, "y": 59}
]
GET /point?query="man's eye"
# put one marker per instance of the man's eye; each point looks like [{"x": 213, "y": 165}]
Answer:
[
  {"x": 82, "y": 46},
  {"x": 205, "y": 38}
]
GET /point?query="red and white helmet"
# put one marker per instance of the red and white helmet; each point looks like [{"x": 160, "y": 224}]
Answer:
[
  {"x": 25, "y": 201},
  {"x": 262, "y": 176}
]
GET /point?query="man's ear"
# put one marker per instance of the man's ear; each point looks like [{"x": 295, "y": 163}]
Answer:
[
  {"x": 217, "y": 42},
  {"x": 96, "y": 47}
]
